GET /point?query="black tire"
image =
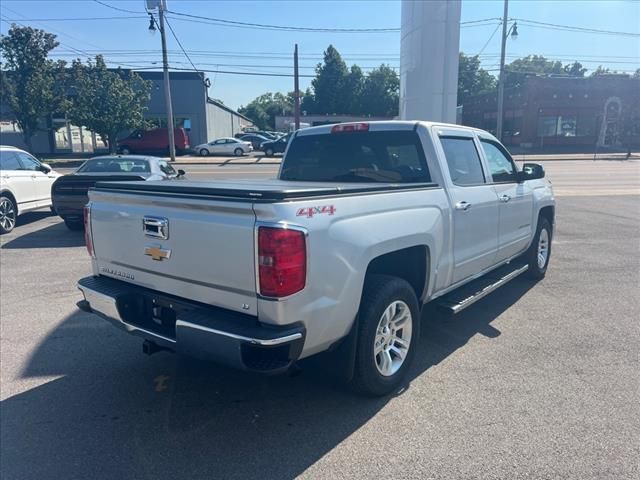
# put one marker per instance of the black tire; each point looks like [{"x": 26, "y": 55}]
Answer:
[
  {"x": 380, "y": 291},
  {"x": 8, "y": 214},
  {"x": 269, "y": 152},
  {"x": 74, "y": 225},
  {"x": 204, "y": 152},
  {"x": 238, "y": 152},
  {"x": 537, "y": 271},
  {"x": 125, "y": 150}
]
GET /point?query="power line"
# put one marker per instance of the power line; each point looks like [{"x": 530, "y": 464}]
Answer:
[
  {"x": 489, "y": 40},
  {"x": 115, "y": 8},
  {"x": 166, "y": 20},
  {"x": 122, "y": 17},
  {"x": 556, "y": 26}
]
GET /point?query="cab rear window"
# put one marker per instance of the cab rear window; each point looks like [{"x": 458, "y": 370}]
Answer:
[{"x": 384, "y": 156}]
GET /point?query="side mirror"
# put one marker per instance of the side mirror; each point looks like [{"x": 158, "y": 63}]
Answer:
[
  {"x": 45, "y": 168},
  {"x": 181, "y": 173},
  {"x": 531, "y": 171}
]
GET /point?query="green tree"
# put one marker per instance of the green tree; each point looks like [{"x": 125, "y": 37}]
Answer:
[
  {"x": 518, "y": 70},
  {"x": 331, "y": 83},
  {"x": 574, "y": 69},
  {"x": 105, "y": 101},
  {"x": 263, "y": 109},
  {"x": 636, "y": 74},
  {"x": 602, "y": 71},
  {"x": 354, "y": 90},
  {"x": 31, "y": 84},
  {"x": 380, "y": 93},
  {"x": 472, "y": 80}
]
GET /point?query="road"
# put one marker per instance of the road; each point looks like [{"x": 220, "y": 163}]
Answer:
[{"x": 534, "y": 381}]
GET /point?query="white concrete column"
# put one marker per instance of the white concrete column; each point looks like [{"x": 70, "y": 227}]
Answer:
[{"x": 430, "y": 41}]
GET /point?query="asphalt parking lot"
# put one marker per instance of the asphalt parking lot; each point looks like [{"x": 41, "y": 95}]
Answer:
[{"x": 534, "y": 381}]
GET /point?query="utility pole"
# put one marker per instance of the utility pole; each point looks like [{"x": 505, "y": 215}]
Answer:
[
  {"x": 162, "y": 6},
  {"x": 505, "y": 18},
  {"x": 296, "y": 89}
]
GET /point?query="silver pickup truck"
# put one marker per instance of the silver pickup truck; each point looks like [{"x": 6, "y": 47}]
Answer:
[{"x": 365, "y": 224}]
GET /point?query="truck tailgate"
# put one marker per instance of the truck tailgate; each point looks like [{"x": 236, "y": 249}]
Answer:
[{"x": 207, "y": 255}]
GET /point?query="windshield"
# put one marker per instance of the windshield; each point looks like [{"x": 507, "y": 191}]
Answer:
[
  {"x": 115, "y": 165},
  {"x": 387, "y": 156}
]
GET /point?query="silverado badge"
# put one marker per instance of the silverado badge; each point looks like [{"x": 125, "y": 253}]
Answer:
[{"x": 157, "y": 253}]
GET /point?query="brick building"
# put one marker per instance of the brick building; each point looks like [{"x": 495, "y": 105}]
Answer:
[{"x": 559, "y": 113}]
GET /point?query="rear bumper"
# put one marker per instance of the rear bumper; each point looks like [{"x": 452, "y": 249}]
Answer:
[
  {"x": 69, "y": 205},
  {"x": 197, "y": 330}
]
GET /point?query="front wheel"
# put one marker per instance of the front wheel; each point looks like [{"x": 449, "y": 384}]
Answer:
[
  {"x": 204, "y": 152},
  {"x": 8, "y": 214},
  {"x": 540, "y": 251},
  {"x": 388, "y": 332},
  {"x": 238, "y": 152},
  {"x": 269, "y": 152}
]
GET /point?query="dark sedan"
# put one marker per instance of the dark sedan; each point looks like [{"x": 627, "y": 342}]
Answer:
[
  {"x": 275, "y": 146},
  {"x": 69, "y": 193},
  {"x": 256, "y": 140}
]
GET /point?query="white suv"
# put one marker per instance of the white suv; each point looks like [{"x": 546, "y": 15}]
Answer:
[{"x": 25, "y": 185}]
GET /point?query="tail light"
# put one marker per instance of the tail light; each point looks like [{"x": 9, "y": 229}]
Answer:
[
  {"x": 88, "y": 238},
  {"x": 350, "y": 127},
  {"x": 282, "y": 261}
]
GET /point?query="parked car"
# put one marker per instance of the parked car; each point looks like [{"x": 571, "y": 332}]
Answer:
[
  {"x": 154, "y": 141},
  {"x": 256, "y": 140},
  {"x": 25, "y": 185},
  {"x": 365, "y": 224},
  {"x": 224, "y": 146},
  {"x": 275, "y": 146},
  {"x": 267, "y": 135},
  {"x": 70, "y": 192}
]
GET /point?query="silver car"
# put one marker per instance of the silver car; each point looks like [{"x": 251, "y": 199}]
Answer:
[{"x": 224, "y": 146}]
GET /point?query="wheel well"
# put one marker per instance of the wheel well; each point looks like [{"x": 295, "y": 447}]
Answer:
[
  {"x": 548, "y": 213},
  {"x": 7, "y": 193},
  {"x": 409, "y": 264}
]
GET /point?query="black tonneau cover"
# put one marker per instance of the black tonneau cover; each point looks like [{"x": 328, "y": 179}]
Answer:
[{"x": 256, "y": 190}]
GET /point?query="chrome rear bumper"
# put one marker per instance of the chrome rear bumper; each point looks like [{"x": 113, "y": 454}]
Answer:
[{"x": 197, "y": 330}]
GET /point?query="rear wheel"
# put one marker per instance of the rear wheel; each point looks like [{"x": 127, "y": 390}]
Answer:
[
  {"x": 540, "y": 251},
  {"x": 204, "y": 152},
  {"x": 74, "y": 225},
  {"x": 238, "y": 152},
  {"x": 388, "y": 331},
  {"x": 269, "y": 152},
  {"x": 8, "y": 214}
]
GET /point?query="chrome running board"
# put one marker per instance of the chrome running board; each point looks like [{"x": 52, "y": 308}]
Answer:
[{"x": 467, "y": 295}]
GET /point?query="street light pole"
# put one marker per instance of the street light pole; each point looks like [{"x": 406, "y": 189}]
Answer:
[
  {"x": 296, "y": 89},
  {"x": 167, "y": 88},
  {"x": 505, "y": 18}
]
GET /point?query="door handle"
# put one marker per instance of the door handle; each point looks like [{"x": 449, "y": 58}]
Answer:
[
  {"x": 464, "y": 206},
  {"x": 505, "y": 198},
  {"x": 33, "y": 176}
]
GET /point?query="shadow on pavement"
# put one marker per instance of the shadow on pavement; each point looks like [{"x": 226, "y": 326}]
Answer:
[
  {"x": 115, "y": 413},
  {"x": 53, "y": 236}
]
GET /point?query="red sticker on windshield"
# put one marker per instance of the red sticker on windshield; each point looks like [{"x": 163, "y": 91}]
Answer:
[{"x": 311, "y": 211}]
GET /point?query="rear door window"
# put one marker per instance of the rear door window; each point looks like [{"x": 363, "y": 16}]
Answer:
[
  {"x": 9, "y": 160},
  {"x": 384, "y": 156},
  {"x": 463, "y": 161}
]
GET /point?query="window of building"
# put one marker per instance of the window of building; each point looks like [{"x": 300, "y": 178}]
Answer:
[
  {"x": 557, "y": 126},
  {"x": 463, "y": 160}
]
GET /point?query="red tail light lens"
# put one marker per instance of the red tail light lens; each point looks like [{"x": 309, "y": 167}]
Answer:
[
  {"x": 88, "y": 239},
  {"x": 282, "y": 261},
  {"x": 350, "y": 127}
]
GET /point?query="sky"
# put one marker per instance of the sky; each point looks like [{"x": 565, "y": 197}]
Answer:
[{"x": 124, "y": 39}]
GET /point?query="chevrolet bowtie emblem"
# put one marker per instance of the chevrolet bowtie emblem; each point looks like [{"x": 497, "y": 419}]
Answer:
[{"x": 157, "y": 253}]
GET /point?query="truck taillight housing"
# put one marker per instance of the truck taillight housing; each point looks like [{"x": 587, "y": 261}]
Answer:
[
  {"x": 88, "y": 238},
  {"x": 282, "y": 261}
]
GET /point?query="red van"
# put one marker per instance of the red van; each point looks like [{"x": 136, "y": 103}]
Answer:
[{"x": 153, "y": 141}]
